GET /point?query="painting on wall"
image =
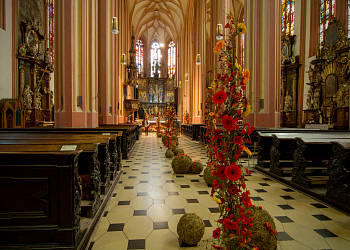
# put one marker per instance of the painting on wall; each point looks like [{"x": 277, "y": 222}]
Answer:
[
  {"x": 142, "y": 96},
  {"x": 142, "y": 84},
  {"x": 170, "y": 84},
  {"x": 170, "y": 97}
]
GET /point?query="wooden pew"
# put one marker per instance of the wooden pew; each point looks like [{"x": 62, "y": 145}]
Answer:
[
  {"x": 339, "y": 173},
  {"x": 39, "y": 138},
  {"x": 128, "y": 140},
  {"x": 88, "y": 169},
  {"x": 40, "y": 200},
  {"x": 285, "y": 144},
  {"x": 114, "y": 143}
]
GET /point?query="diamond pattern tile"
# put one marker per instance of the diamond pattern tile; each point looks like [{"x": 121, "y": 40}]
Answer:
[{"x": 151, "y": 199}]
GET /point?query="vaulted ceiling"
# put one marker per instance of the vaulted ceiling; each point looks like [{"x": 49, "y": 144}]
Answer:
[
  {"x": 158, "y": 19},
  {"x": 163, "y": 20}
]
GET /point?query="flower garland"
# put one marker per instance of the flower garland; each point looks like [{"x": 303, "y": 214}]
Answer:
[{"x": 227, "y": 136}]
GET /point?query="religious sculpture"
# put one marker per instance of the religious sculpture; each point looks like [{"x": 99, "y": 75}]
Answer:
[
  {"x": 310, "y": 99},
  {"x": 38, "y": 96},
  {"x": 27, "y": 97},
  {"x": 342, "y": 96},
  {"x": 288, "y": 102},
  {"x": 47, "y": 55},
  {"x": 317, "y": 99}
]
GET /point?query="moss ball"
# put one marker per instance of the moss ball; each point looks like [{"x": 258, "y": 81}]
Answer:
[
  {"x": 190, "y": 228},
  {"x": 208, "y": 177},
  {"x": 175, "y": 137},
  {"x": 261, "y": 236},
  {"x": 181, "y": 164},
  {"x": 178, "y": 151},
  {"x": 197, "y": 167},
  {"x": 169, "y": 153},
  {"x": 159, "y": 134},
  {"x": 163, "y": 138}
]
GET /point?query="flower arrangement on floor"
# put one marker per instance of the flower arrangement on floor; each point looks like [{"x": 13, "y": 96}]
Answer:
[{"x": 227, "y": 104}]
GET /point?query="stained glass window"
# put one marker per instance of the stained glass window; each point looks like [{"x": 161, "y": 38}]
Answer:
[
  {"x": 327, "y": 10},
  {"x": 154, "y": 58},
  {"x": 242, "y": 45},
  {"x": 288, "y": 9},
  {"x": 171, "y": 59},
  {"x": 52, "y": 31},
  {"x": 139, "y": 56}
]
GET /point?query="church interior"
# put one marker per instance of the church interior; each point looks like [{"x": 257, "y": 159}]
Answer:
[{"x": 94, "y": 93}]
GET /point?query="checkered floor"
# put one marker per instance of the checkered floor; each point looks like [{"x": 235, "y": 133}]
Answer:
[{"x": 150, "y": 199}]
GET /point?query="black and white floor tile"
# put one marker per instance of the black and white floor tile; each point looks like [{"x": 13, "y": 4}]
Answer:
[{"x": 149, "y": 200}]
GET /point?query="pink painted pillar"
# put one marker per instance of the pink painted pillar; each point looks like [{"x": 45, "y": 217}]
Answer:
[{"x": 71, "y": 66}]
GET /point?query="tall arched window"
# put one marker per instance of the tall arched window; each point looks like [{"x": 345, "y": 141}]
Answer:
[
  {"x": 154, "y": 58},
  {"x": 139, "y": 56},
  {"x": 52, "y": 31},
  {"x": 288, "y": 9},
  {"x": 171, "y": 59},
  {"x": 327, "y": 10}
]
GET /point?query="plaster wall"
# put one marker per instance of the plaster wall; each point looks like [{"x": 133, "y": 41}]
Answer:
[{"x": 6, "y": 55}]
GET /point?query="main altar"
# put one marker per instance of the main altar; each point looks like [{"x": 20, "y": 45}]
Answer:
[{"x": 155, "y": 94}]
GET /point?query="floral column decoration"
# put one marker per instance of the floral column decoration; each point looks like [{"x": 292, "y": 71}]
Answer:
[
  {"x": 158, "y": 122},
  {"x": 227, "y": 136},
  {"x": 170, "y": 118}
]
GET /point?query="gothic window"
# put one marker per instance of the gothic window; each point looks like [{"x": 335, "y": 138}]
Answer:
[
  {"x": 288, "y": 9},
  {"x": 154, "y": 58},
  {"x": 51, "y": 31},
  {"x": 171, "y": 59},
  {"x": 327, "y": 10},
  {"x": 139, "y": 56},
  {"x": 241, "y": 46}
]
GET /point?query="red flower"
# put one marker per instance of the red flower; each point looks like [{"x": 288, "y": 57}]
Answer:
[
  {"x": 228, "y": 123},
  {"x": 221, "y": 173},
  {"x": 233, "y": 173},
  {"x": 219, "y": 97},
  {"x": 227, "y": 25},
  {"x": 233, "y": 190},
  {"x": 238, "y": 140},
  {"x": 216, "y": 233},
  {"x": 217, "y": 247},
  {"x": 245, "y": 219},
  {"x": 221, "y": 156},
  {"x": 230, "y": 224},
  {"x": 229, "y": 65}
]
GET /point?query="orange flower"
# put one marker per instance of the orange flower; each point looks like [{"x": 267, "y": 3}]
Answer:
[
  {"x": 246, "y": 76},
  {"x": 219, "y": 46}
]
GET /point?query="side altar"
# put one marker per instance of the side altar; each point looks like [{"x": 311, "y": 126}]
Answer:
[{"x": 328, "y": 96}]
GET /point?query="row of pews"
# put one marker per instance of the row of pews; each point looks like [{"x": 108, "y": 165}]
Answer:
[
  {"x": 55, "y": 183},
  {"x": 309, "y": 159},
  {"x": 192, "y": 130}
]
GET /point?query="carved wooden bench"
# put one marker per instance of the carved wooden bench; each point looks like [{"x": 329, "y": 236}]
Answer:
[{"x": 40, "y": 200}]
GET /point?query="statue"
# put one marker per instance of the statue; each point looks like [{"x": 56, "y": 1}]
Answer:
[
  {"x": 47, "y": 55},
  {"x": 27, "y": 97},
  {"x": 310, "y": 99},
  {"x": 288, "y": 102},
  {"x": 317, "y": 99},
  {"x": 156, "y": 67}
]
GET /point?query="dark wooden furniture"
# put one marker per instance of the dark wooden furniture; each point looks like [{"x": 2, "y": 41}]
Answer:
[
  {"x": 41, "y": 198},
  {"x": 88, "y": 169},
  {"x": 338, "y": 169}
]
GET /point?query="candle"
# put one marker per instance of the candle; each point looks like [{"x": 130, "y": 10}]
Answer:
[
  {"x": 123, "y": 59},
  {"x": 219, "y": 35},
  {"x": 198, "y": 59}
]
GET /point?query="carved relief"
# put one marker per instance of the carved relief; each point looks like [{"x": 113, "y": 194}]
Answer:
[
  {"x": 298, "y": 171},
  {"x": 337, "y": 185},
  {"x": 77, "y": 196}
]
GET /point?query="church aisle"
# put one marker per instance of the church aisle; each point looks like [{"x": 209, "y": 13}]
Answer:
[{"x": 149, "y": 200}]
